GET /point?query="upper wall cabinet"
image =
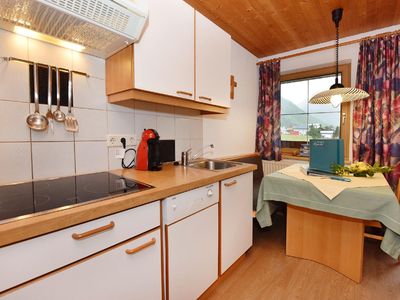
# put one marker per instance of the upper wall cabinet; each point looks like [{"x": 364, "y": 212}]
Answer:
[
  {"x": 173, "y": 50},
  {"x": 213, "y": 62},
  {"x": 164, "y": 55}
]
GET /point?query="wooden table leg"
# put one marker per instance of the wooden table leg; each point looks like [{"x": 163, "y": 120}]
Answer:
[{"x": 332, "y": 240}]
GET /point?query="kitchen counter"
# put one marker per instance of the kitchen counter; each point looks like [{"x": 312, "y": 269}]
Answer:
[{"x": 171, "y": 180}]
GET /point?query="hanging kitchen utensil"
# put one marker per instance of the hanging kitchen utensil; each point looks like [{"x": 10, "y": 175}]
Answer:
[
  {"x": 49, "y": 114},
  {"x": 59, "y": 116},
  {"x": 36, "y": 121},
  {"x": 70, "y": 123}
]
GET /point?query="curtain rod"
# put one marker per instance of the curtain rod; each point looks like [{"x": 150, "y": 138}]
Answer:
[{"x": 330, "y": 46}]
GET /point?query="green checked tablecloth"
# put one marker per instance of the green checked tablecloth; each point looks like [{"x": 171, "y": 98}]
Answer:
[{"x": 371, "y": 203}]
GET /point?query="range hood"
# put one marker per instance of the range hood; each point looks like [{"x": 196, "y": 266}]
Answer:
[{"x": 102, "y": 27}]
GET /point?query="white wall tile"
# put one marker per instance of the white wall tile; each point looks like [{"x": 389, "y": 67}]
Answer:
[
  {"x": 14, "y": 83},
  {"x": 166, "y": 127},
  {"x": 46, "y": 53},
  {"x": 53, "y": 152},
  {"x": 197, "y": 145},
  {"x": 92, "y": 124},
  {"x": 180, "y": 146},
  {"x": 144, "y": 122},
  {"x": 182, "y": 128},
  {"x": 13, "y": 45},
  {"x": 55, "y": 133},
  {"x": 13, "y": 125},
  {"x": 89, "y": 64},
  {"x": 113, "y": 163},
  {"x": 121, "y": 123},
  {"x": 53, "y": 159},
  {"x": 89, "y": 92},
  {"x": 91, "y": 157},
  {"x": 15, "y": 162},
  {"x": 196, "y": 129}
]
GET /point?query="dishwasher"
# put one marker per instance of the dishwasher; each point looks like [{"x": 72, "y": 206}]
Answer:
[{"x": 190, "y": 223}]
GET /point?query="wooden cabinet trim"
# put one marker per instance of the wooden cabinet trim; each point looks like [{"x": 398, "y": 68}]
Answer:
[
  {"x": 124, "y": 98},
  {"x": 120, "y": 71}
]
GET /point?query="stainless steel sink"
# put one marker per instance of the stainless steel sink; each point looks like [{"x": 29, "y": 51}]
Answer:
[{"x": 213, "y": 165}]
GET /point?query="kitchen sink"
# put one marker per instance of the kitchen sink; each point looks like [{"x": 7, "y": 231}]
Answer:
[{"x": 213, "y": 165}]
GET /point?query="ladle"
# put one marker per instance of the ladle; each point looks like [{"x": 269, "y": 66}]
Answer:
[{"x": 36, "y": 121}]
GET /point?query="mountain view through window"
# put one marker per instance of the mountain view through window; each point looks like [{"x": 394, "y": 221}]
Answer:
[{"x": 302, "y": 121}]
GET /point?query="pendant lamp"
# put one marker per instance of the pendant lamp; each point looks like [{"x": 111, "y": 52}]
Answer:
[{"x": 337, "y": 92}]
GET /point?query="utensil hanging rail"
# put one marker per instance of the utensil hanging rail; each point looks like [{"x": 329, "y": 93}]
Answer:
[{"x": 10, "y": 58}]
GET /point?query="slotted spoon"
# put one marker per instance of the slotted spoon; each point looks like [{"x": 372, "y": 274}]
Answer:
[{"x": 70, "y": 123}]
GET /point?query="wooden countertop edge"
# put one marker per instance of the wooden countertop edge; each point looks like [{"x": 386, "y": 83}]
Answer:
[{"x": 26, "y": 228}]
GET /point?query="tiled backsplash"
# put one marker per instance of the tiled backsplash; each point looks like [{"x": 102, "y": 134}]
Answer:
[{"x": 27, "y": 155}]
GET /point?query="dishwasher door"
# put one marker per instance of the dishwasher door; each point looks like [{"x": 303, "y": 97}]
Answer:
[{"x": 192, "y": 255}]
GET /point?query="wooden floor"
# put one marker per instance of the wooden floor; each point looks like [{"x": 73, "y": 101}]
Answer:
[{"x": 267, "y": 273}]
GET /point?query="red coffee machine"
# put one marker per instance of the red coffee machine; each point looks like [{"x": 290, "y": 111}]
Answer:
[{"x": 148, "y": 152}]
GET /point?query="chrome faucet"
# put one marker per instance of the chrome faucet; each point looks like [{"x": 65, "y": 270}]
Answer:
[{"x": 185, "y": 157}]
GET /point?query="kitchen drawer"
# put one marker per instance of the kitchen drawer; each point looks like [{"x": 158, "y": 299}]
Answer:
[
  {"x": 112, "y": 274},
  {"x": 29, "y": 259}
]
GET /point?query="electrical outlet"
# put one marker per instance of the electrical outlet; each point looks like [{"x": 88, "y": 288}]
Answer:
[{"x": 114, "y": 140}]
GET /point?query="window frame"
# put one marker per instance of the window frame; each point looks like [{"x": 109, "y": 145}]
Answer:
[{"x": 345, "y": 70}]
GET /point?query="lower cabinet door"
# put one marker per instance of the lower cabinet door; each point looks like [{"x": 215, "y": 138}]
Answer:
[
  {"x": 131, "y": 270},
  {"x": 192, "y": 260},
  {"x": 236, "y": 218}
]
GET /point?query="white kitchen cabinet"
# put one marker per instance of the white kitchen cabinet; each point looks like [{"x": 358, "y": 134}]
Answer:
[
  {"x": 192, "y": 259},
  {"x": 112, "y": 274},
  {"x": 213, "y": 62},
  {"x": 236, "y": 218},
  {"x": 29, "y": 259},
  {"x": 164, "y": 56}
]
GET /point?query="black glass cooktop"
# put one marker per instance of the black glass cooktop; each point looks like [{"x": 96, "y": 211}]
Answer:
[{"x": 29, "y": 198}]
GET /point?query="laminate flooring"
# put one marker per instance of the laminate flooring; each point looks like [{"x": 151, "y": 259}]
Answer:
[{"x": 267, "y": 273}]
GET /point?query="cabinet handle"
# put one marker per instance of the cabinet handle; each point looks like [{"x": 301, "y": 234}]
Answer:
[
  {"x": 141, "y": 247},
  {"x": 230, "y": 183},
  {"x": 80, "y": 236},
  {"x": 184, "y": 93},
  {"x": 205, "y": 98}
]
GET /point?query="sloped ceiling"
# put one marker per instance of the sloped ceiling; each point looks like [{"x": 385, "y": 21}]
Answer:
[{"x": 267, "y": 27}]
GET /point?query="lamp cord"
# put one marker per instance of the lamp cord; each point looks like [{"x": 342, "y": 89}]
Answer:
[{"x": 337, "y": 53}]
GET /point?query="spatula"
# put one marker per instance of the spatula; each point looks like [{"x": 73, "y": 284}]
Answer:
[{"x": 70, "y": 123}]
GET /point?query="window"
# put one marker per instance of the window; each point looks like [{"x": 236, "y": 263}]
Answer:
[{"x": 302, "y": 121}]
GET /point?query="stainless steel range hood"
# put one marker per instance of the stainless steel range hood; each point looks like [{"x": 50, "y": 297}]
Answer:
[{"x": 102, "y": 27}]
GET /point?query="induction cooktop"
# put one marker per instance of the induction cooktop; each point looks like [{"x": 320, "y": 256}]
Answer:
[{"x": 31, "y": 198}]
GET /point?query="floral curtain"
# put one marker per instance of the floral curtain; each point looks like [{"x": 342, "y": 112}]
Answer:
[
  {"x": 376, "y": 120},
  {"x": 268, "y": 137}
]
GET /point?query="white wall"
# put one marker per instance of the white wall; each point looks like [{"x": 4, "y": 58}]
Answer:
[
  {"x": 27, "y": 155},
  {"x": 234, "y": 133}
]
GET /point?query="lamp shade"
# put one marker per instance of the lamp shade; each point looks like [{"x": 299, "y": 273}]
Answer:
[
  {"x": 346, "y": 95},
  {"x": 338, "y": 93}
]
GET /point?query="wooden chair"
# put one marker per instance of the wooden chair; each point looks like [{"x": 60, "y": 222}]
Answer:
[{"x": 376, "y": 224}]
